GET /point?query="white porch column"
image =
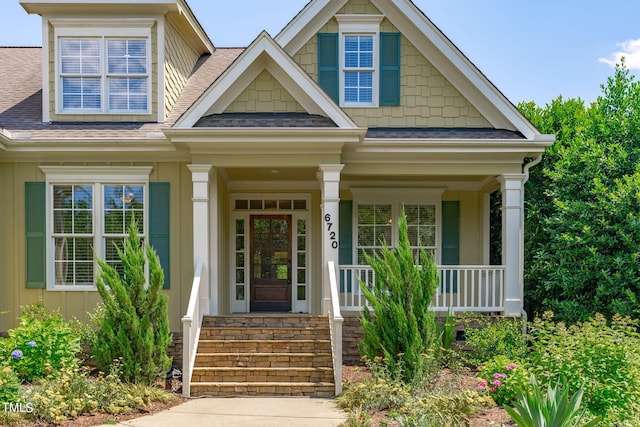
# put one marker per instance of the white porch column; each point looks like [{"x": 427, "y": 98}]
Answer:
[
  {"x": 204, "y": 207},
  {"x": 513, "y": 242},
  {"x": 329, "y": 177}
]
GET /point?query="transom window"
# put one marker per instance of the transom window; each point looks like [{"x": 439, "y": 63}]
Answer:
[
  {"x": 104, "y": 74},
  {"x": 358, "y": 69}
]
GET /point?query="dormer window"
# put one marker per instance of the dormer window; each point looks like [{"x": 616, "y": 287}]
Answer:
[{"x": 100, "y": 72}]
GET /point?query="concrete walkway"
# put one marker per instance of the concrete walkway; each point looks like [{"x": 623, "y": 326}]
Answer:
[{"x": 247, "y": 412}]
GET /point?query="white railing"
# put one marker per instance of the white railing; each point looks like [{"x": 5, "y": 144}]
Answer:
[
  {"x": 191, "y": 324},
  {"x": 462, "y": 287},
  {"x": 335, "y": 328}
]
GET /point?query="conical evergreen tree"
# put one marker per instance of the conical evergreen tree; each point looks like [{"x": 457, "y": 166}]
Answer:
[
  {"x": 135, "y": 326},
  {"x": 402, "y": 329}
]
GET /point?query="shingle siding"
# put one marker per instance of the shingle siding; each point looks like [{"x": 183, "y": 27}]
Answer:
[
  {"x": 265, "y": 95},
  {"x": 178, "y": 65},
  {"x": 427, "y": 98}
]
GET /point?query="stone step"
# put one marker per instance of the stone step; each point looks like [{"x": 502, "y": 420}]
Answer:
[
  {"x": 263, "y": 360},
  {"x": 270, "y": 321},
  {"x": 265, "y": 333},
  {"x": 265, "y": 375},
  {"x": 264, "y": 346},
  {"x": 326, "y": 389}
]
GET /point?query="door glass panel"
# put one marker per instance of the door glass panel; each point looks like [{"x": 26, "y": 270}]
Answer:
[
  {"x": 301, "y": 260},
  {"x": 240, "y": 260}
]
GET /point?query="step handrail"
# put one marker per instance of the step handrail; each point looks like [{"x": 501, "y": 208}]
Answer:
[
  {"x": 191, "y": 324},
  {"x": 335, "y": 328}
]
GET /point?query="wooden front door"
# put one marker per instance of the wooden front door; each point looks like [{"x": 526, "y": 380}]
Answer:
[{"x": 270, "y": 263}]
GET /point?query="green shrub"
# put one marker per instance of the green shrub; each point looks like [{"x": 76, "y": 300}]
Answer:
[
  {"x": 602, "y": 358},
  {"x": 402, "y": 329},
  {"x": 503, "y": 379},
  {"x": 442, "y": 408},
  {"x": 135, "y": 325},
  {"x": 554, "y": 408},
  {"x": 42, "y": 345},
  {"x": 489, "y": 337},
  {"x": 74, "y": 394},
  {"x": 9, "y": 385},
  {"x": 378, "y": 394}
]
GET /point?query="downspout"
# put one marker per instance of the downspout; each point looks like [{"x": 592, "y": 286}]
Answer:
[{"x": 525, "y": 171}]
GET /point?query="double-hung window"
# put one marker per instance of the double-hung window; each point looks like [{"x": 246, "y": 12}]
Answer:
[
  {"x": 103, "y": 73},
  {"x": 358, "y": 69},
  {"x": 359, "y": 64},
  {"x": 89, "y": 219}
]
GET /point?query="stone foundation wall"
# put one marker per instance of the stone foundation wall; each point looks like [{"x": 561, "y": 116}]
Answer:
[
  {"x": 351, "y": 335},
  {"x": 175, "y": 349}
]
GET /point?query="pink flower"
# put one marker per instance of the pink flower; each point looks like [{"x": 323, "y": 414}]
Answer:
[
  {"x": 498, "y": 375},
  {"x": 492, "y": 390},
  {"x": 480, "y": 387},
  {"x": 511, "y": 366},
  {"x": 496, "y": 383}
]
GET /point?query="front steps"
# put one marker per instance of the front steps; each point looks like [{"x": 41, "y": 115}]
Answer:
[{"x": 288, "y": 355}]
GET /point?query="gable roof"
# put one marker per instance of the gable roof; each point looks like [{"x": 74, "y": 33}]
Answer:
[
  {"x": 432, "y": 44},
  {"x": 264, "y": 54}
]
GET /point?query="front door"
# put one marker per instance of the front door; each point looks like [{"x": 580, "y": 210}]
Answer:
[{"x": 270, "y": 263}]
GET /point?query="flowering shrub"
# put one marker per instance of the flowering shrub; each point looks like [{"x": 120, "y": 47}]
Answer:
[
  {"x": 42, "y": 345},
  {"x": 73, "y": 394},
  {"x": 503, "y": 379}
]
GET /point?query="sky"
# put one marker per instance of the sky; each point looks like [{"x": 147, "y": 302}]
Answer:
[{"x": 532, "y": 50}]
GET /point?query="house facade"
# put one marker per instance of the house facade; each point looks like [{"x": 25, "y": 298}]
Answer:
[{"x": 262, "y": 174}]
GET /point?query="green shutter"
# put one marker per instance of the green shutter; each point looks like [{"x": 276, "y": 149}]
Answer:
[
  {"x": 390, "y": 69},
  {"x": 328, "y": 64},
  {"x": 450, "y": 240},
  {"x": 36, "y": 235},
  {"x": 345, "y": 254},
  {"x": 159, "y": 224}
]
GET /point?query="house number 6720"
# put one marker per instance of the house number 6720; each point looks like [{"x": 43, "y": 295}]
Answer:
[{"x": 332, "y": 234}]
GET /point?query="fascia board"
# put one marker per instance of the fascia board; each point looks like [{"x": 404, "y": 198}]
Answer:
[
  {"x": 265, "y": 135},
  {"x": 307, "y": 23},
  {"x": 43, "y": 7},
  {"x": 454, "y": 66},
  {"x": 453, "y": 145}
]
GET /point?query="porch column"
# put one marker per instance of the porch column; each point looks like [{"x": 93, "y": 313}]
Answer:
[
  {"x": 513, "y": 242},
  {"x": 329, "y": 177},
  {"x": 202, "y": 249}
]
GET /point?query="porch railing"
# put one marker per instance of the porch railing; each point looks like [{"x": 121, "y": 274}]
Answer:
[
  {"x": 462, "y": 287},
  {"x": 191, "y": 324},
  {"x": 335, "y": 328}
]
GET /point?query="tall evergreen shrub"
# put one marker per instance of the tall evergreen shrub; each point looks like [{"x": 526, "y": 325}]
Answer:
[
  {"x": 402, "y": 327},
  {"x": 135, "y": 324}
]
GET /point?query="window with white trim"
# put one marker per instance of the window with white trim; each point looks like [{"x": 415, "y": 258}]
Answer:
[
  {"x": 376, "y": 227},
  {"x": 103, "y": 70},
  {"x": 89, "y": 220},
  {"x": 359, "y": 59}
]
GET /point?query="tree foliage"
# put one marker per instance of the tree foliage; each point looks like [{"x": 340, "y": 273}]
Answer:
[
  {"x": 135, "y": 325},
  {"x": 402, "y": 329},
  {"x": 583, "y": 212}
]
